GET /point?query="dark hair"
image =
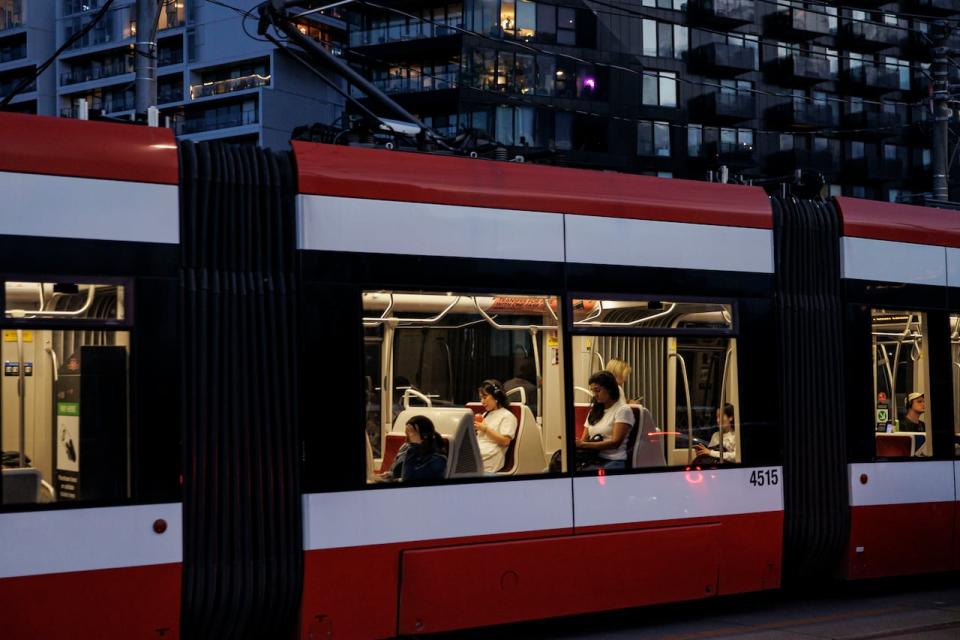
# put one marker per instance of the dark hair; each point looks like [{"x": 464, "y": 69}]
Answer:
[
  {"x": 433, "y": 442},
  {"x": 727, "y": 410},
  {"x": 606, "y": 380},
  {"x": 494, "y": 389}
]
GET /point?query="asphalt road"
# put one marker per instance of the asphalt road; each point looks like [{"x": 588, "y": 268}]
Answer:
[{"x": 921, "y": 608}]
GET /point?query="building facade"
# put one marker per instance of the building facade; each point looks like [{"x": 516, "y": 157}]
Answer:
[
  {"x": 26, "y": 41},
  {"x": 216, "y": 79},
  {"x": 676, "y": 88}
]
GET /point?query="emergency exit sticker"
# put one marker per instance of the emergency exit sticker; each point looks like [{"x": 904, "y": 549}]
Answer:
[{"x": 11, "y": 336}]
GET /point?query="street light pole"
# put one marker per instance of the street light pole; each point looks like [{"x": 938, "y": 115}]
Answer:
[{"x": 941, "y": 112}]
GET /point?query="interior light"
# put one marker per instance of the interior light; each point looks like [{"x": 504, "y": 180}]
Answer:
[{"x": 590, "y": 83}]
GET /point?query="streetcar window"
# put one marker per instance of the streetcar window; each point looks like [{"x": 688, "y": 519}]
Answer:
[
  {"x": 901, "y": 378},
  {"x": 955, "y": 360},
  {"x": 65, "y": 301},
  {"x": 429, "y": 354},
  {"x": 64, "y": 406},
  {"x": 676, "y": 365}
]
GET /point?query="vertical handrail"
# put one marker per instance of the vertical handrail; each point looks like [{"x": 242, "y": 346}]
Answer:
[{"x": 686, "y": 390}]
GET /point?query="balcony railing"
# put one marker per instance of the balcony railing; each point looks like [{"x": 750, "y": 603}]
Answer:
[
  {"x": 731, "y": 153},
  {"x": 872, "y": 78},
  {"x": 932, "y": 7},
  {"x": 167, "y": 57},
  {"x": 873, "y": 168},
  {"x": 419, "y": 83},
  {"x": 218, "y": 87},
  {"x": 103, "y": 106},
  {"x": 728, "y": 13},
  {"x": 800, "y": 70},
  {"x": 413, "y": 31},
  {"x": 870, "y": 36},
  {"x": 724, "y": 58},
  {"x": 724, "y": 107},
  {"x": 801, "y": 115},
  {"x": 16, "y": 52},
  {"x": 872, "y": 124},
  {"x": 184, "y": 126},
  {"x": 11, "y": 17},
  {"x": 10, "y": 85},
  {"x": 99, "y": 72},
  {"x": 166, "y": 95},
  {"x": 797, "y": 24}
]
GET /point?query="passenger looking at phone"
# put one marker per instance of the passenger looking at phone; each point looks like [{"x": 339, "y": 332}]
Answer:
[
  {"x": 724, "y": 440},
  {"x": 495, "y": 427},
  {"x": 607, "y": 426},
  {"x": 916, "y": 405},
  {"x": 425, "y": 454}
]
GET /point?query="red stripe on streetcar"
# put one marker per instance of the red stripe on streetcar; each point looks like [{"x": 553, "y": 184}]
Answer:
[
  {"x": 82, "y": 149},
  {"x": 411, "y": 177},
  {"x": 899, "y": 222}
]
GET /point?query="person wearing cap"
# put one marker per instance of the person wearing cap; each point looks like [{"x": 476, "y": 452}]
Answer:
[{"x": 916, "y": 406}]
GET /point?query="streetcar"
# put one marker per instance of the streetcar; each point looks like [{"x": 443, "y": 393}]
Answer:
[{"x": 212, "y": 352}]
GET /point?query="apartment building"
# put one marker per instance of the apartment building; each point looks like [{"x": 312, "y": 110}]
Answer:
[
  {"x": 676, "y": 88},
  {"x": 26, "y": 40},
  {"x": 216, "y": 79}
]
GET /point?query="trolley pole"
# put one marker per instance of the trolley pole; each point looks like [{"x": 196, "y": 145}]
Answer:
[
  {"x": 941, "y": 112},
  {"x": 145, "y": 51}
]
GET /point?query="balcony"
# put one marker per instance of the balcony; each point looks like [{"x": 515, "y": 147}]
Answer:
[
  {"x": 166, "y": 95},
  {"x": 871, "y": 79},
  {"x": 10, "y": 85},
  {"x": 98, "y": 72},
  {"x": 721, "y": 58},
  {"x": 873, "y": 169},
  {"x": 168, "y": 57},
  {"x": 418, "y": 83},
  {"x": 11, "y": 53},
  {"x": 108, "y": 106},
  {"x": 797, "y": 70},
  {"x": 184, "y": 126},
  {"x": 872, "y": 125},
  {"x": 12, "y": 17},
  {"x": 418, "y": 30},
  {"x": 721, "y": 13},
  {"x": 724, "y": 108},
  {"x": 801, "y": 115},
  {"x": 230, "y": 85},
  {"x": 931, "y": 7},
  {"x": 787, "y": 162},
  {"x": 797, "y": 25},
  {"x": 859, "y": 35}
]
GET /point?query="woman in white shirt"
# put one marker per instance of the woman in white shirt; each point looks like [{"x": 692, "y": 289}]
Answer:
[
  {"x": 496, "y": 426},
  {"x": 611, "y": 419},
  {"x": 725, "y": 433}
]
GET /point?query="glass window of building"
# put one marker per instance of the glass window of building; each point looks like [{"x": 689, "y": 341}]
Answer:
[
  {"x": 655, "y": 383},
  {"x": 694, "y": 140},
  {"x": 566, "y": 26},
  {"x": 901, "y": 382},
  {"x": 461, "y": 385}
]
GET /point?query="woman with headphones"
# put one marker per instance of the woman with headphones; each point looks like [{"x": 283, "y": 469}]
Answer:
[{"x": 496, "y": 426}]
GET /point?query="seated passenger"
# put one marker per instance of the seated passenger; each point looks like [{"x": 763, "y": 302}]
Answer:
[
  {"x": 608, "y": 423},
  {"x": 621, "y": 371},
  {"x": 525, "y": 377},
  {"x": 916, "y": 405},
  {"x": 726, "y": 433},
  {"x": 425, "y": 455},
  {"x": 496, "y": 426}
]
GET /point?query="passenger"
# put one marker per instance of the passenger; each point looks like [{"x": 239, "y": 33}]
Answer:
[
  {"x": 726, "y": 432},
  {"x": 608, "y": 423},
  {"x": 496, "y": 427},
  {"x": 916, "y": 405},
  {"x": 621, "y": 371},
  {"x": 525, "y": 377},
  {"x": 425, "y": 457}
]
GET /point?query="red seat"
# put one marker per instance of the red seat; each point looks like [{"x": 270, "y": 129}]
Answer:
[
  {"x": 580, "y": 412},
  {"x": 892, "y": 445},
  {"x": 390, "y": 448}
]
